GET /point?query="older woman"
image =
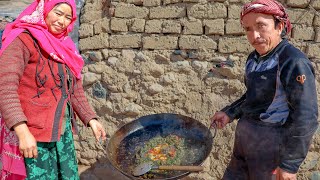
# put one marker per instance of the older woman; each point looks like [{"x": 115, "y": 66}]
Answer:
[{"x": 40, "y": 93}]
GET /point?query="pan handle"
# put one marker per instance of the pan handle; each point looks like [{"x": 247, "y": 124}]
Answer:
[
  {"x": 182, "y": 168},
  {"x": 213, "y": 129}
]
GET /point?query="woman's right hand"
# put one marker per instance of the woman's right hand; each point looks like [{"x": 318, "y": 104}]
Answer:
[
  {"x": 221, "y": 119},
  {"x": 27, "y": 142}
]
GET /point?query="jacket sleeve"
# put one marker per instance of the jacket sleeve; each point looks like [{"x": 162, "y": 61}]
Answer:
[
  {"x": 298, "y": 79},
  {"x": 81, "y": 105},
  {"x": 234, "y": 110},
  {"x": 13, "y": 62}
]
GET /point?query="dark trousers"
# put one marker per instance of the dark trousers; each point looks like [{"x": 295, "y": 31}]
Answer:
[{"x": 256, "y": 151}]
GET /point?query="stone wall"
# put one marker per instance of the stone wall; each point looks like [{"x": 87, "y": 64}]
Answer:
[{"x": 178, "y": 56}]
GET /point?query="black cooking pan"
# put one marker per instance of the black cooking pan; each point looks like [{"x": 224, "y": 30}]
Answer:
[{"x": 123, "y": 145}]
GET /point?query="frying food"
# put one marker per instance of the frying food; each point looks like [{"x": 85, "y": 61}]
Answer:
[{"x": 167, "y": 150}]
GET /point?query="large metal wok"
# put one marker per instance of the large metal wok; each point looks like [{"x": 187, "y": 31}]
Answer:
[{"x": 123, "y": 145}]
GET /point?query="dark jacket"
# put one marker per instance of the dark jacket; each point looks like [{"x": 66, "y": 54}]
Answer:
[{"x": 298, "y": 82}]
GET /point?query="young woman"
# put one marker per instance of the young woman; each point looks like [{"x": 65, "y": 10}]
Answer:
[{"x": 40, "y": 93}]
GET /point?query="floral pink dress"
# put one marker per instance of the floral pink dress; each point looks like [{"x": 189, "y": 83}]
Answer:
[{"x": 12, "y": 166}]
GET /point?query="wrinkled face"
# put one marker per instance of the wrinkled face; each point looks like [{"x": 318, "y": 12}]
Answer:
[
  {"x": 59, "y": 18},
  {"x": 261, "y": 31}
]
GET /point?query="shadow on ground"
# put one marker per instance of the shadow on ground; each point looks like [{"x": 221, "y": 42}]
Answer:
[{"x": 103, "y": 170}]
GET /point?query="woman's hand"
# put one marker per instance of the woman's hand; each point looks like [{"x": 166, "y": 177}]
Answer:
[
  {"x": 27, "y": 142},
  {"x": 284, "y": 175},
  {"x": 221, "y": 119},
  {"x": 97, "y": 130}
]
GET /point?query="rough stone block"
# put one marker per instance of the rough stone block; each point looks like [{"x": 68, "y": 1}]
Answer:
[
  {"x": 316, "y": 21},
  {"x": 216, "y": 10},
  {"x": 233, "y": 27},
  {"x": 298, "y": 4},
  {"x": 217, "y": 0},
  {"x": 119, "y": 25},
  {"x": 131, "y": 11},
  {"x": 171, "y": 26},
  {"x": 167, "y": 12},
  {"x": 313, "y": 50},
  {"x": 302, "y": 32},
  {"x": 94, "y": 56},
  {"x": 301, "y": 16},
  {"x": 90, "y": 16},
  {"x": 153, "y": 26},
  {"x": 105, "y": 53},
  {"x": 192, "y": 27},
  {"x": 149, "y": 3},
  {"x": 85, "y": 30},
  {"x": 234, "y": 11},
  {"x": 316, "y": 4},
  {"x": 95, "y": 42},
  {"x": 215, "y": 26},
  {"x": 125, "y": 41},
  {"x": 137, "y": 25},
  {"x": 317, "y": 36},
  {"x": 196, "y": 42},
  {"x": 234, "y": 45},
  {"x": 197, "y": 11},
  {"x": 192, "y": 1},
  {"x": 135, "y": 2},
  {"x": 160, "y": 42},
  {"x": 246, "y": 1},
  {"x": 102, "y": 26},
  {"x": 166, "y": 2}
]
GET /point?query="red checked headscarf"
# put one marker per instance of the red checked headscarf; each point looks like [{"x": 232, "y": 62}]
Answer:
[
  {"x": 270, "y": 7},
  {"x": 60, "y": 47}
]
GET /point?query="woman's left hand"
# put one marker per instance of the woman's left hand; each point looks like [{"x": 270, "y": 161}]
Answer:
[{"x": 98, "y": 130}]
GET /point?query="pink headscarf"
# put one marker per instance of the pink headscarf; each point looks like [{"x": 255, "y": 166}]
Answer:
[
  {"x": 270, "y": 7},
  {"x": 60, "y": 47}
]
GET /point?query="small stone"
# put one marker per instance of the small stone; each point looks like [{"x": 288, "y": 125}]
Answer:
[
  {"x": 177, "y": 52},
  {"x": 128, "y": 54},
  {"x": 136, "y": 72},
  {"x": 133, "y": 109},
  {"x": 184, "y": 54},
  {"x": 97, "y": 68},
  {"x": 168, "y": 79},
  {"x": 182, "y": 66},
  {"x": 218, "y": 59},
  {"x": 176, "y": 58},
  {"x": 155, "y": 88},
  {"x": 112, "y": 61},
  {"x": 199, "y": 65},
  {"x": 315, "y": 175},
  {"x": 95, "y": 56},
  {"x": 99, "y": 91},
  {"x": 192, "y": 55},
  {"x": 162, "y": 58},
  {"x": 90, "y": 78},
  {"x": 142, "y": 57}
]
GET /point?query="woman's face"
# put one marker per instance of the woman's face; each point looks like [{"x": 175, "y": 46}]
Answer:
[{"x": 59, "y": 18}]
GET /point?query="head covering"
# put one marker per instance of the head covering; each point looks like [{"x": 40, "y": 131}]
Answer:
[
  {"x": 60, "y": 47},
  {"x": 270, "y": 7}
]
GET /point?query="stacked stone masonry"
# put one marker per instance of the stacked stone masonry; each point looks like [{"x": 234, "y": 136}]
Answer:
[{"x": 181, "y": 17}]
